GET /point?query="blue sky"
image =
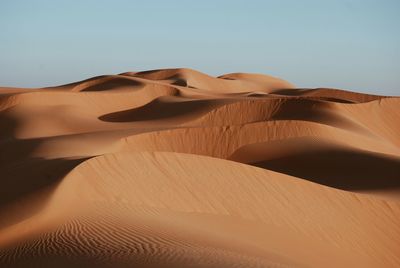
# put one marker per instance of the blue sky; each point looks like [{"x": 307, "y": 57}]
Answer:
[{"x": 352, "y": 44}]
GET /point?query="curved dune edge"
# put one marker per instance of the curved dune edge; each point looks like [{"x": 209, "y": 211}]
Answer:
[
  {"x": 275, "y": 214},
  {"x": 178, "y": 167}
]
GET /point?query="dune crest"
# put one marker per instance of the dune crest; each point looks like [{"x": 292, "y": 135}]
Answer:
[{"x": 176, "y": 168}]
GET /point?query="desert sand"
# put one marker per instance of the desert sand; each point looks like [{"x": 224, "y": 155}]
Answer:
[{"x": 176, "y": 168}]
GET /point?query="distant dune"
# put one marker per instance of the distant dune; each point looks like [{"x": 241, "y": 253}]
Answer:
[{"x": 175, "y": 168}]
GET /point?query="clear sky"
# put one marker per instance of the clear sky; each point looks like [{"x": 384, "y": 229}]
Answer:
[{"x": 352, "y": 44}]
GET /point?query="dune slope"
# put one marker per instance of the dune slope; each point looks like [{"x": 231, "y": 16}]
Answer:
[{"x": 176, "y": 168}]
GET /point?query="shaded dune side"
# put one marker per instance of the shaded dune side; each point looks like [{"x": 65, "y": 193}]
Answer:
[
  {"x": 164, "y": 108},
  {"x": 325, "y": 163},
  {"x": 25, "y": 178}
]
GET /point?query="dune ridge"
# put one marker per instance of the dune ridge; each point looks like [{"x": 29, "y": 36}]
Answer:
[{"x": 176, "y": 168}]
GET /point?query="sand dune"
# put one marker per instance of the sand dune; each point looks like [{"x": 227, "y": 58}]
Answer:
[{"x": 175, "y": 168}]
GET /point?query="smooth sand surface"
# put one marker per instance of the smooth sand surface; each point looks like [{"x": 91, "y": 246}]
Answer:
[{"x": 175, "y": 168}]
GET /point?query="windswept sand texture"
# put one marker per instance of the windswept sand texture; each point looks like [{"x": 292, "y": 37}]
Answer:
[{"x": 175, "y": 168}]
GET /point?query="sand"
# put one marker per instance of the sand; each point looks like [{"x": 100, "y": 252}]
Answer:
[{"x": 175, "y": 168}]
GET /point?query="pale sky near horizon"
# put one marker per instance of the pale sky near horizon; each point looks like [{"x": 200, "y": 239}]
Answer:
[{"x": 350, "y": 44}]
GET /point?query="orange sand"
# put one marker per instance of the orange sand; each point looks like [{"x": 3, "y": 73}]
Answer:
[{"x": 175, "y": 168}]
